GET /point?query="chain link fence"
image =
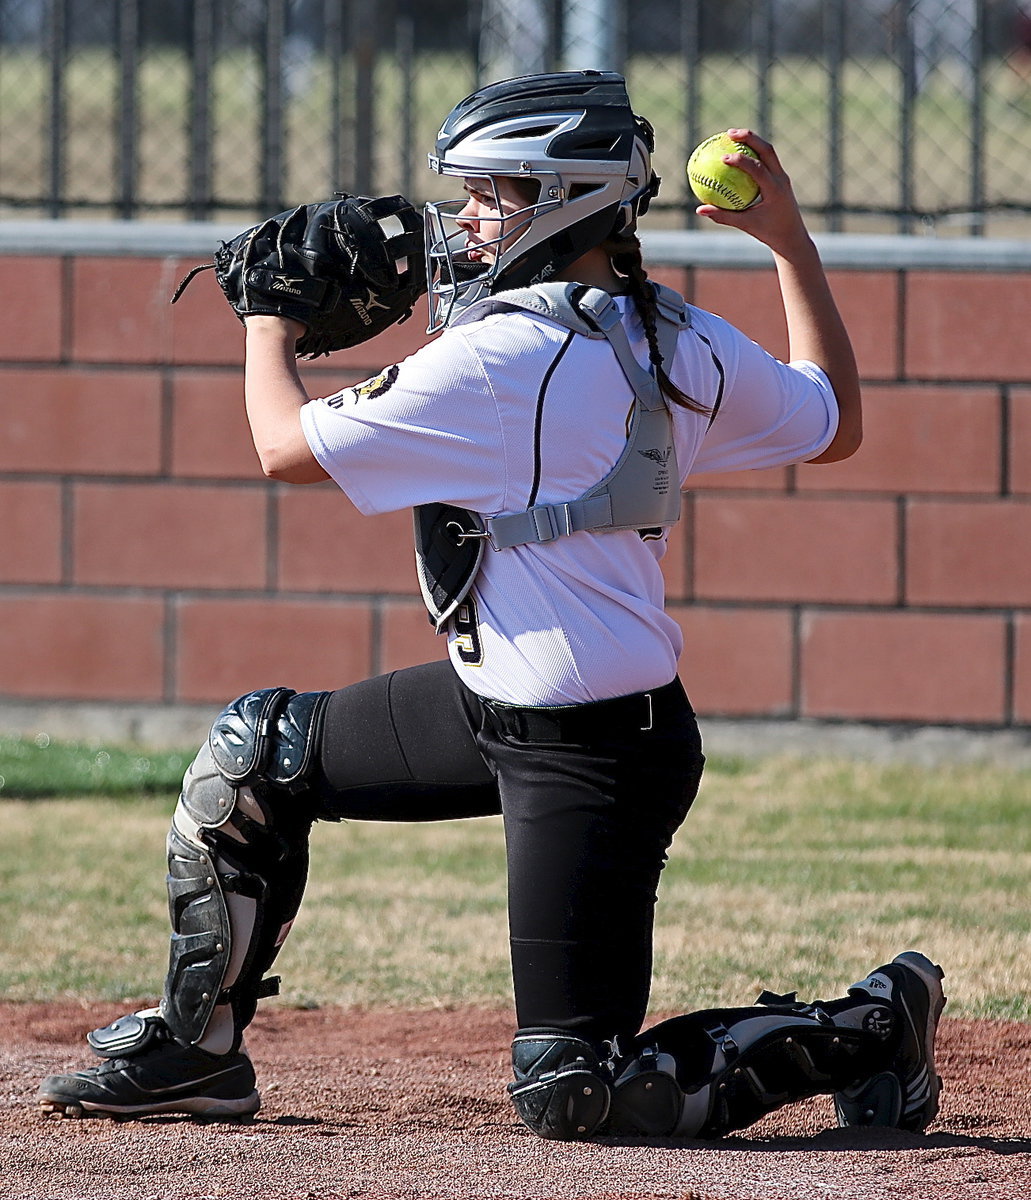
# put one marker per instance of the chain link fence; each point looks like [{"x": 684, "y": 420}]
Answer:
[{"x": 891, "y": 115}]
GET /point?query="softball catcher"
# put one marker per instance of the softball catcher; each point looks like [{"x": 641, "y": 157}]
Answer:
[{"x": 542, "y": 441}]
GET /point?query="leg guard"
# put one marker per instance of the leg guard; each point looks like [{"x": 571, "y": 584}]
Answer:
[
  {"x": 238, "y": 856},
  {"x": 561, "y": 1087},
  {"x": 709, "y": 1073}
]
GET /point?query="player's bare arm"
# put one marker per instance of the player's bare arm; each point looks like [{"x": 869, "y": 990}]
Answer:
[
  {"x": 816, "y": 331},
  {"x": 275, "y": 396}
]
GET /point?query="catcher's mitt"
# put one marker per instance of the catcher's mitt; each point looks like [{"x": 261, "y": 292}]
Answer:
[{"x": 346, "y": 268}]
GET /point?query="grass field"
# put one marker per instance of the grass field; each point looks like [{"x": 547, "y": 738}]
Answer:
[
  {"x": 788, "y": 874},
  {"x": 873, "y": 158}
]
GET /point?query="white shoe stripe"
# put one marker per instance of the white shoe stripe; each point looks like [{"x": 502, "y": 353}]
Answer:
[{"x": 193, "y": 1083}]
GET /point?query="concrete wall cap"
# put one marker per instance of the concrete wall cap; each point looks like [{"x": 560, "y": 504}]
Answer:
[{"x": 674, "y": 248}]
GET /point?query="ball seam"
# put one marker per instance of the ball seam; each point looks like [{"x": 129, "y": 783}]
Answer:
[{"x": 716, "y": 186}]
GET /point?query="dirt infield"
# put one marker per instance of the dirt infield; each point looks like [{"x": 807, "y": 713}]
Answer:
[{"x": 404, "y": 1105}]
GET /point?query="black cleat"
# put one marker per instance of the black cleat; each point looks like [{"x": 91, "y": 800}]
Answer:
[
  {"x": 162, "y": 1077},
  {"x": 906, "y": 1094}
]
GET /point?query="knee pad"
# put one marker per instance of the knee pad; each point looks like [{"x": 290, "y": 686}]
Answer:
[
  {"x": 237, "y": 860},
  {"x": 269, "y": 736},
  {"x": 561, "y": 1087}
]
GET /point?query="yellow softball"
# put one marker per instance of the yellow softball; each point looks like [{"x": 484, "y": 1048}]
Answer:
[{"x": 716, "y": 183}]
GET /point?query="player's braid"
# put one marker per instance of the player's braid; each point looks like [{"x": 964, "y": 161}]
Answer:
[{"x": 624, "y": 251}]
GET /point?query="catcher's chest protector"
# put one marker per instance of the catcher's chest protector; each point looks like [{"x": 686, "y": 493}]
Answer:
[{"x": 642, "y": 491}]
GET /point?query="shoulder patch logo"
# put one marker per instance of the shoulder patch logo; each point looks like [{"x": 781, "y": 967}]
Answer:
[{"x": 376, "y": 386}]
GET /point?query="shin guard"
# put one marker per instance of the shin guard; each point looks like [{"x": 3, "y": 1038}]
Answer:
[
  {"x": 238, "y": 860},
  {"x": 713, "y": 1072}
]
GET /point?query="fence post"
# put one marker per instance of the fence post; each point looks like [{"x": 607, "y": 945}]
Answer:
[
  {"x": 977, "y": 126},
  {"x": 363, "y": 26},
  {"x": 272, "y": 106},
  {"x": 58, "y": 38},
  {"x": 906, "y": 112},
  {"x": 589, "y": 35},
  {"x": 691, "y": 48},
  {"x": 333, "y": 50},
  {"x": 129, "y": 67},
  {"x": 834, "y": 18},
  {"x": 406, "y": 70},
  {"x": 765, "y": 42},
  {"x": 202, "y": 41}
]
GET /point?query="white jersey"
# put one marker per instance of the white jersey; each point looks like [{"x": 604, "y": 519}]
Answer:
[{"x": 514, "y": 410}]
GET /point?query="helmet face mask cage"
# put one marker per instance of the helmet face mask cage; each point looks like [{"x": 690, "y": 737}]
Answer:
[
  {"x": 574, "y": 135},
  {"x": 452, "y": 274}
]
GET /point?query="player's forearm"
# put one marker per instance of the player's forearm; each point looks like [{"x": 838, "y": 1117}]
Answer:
[
  {"x": 817, "y": 333},
  {"x": 815, "y": 329},
  {"x": 274, "y": 397}
]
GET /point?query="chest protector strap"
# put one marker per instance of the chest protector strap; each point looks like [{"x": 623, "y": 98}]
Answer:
[{"x": 642, "y": 491}]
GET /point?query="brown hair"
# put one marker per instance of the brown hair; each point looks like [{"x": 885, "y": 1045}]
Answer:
[{"x": 624, "y": 251}]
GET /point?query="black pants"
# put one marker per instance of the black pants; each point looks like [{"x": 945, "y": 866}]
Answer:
[{"x": 591, "y": 796}]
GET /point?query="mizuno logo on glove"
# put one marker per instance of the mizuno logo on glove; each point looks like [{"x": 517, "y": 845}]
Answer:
[
  {"x": 287, "y": 285},
  {"x": 362, "y": 307}
]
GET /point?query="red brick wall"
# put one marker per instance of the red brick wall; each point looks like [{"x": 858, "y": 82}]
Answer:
[{"x": 144, "y": 558}]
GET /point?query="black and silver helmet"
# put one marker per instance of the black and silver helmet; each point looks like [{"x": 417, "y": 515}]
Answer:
[{"x": 572, "y": 133}]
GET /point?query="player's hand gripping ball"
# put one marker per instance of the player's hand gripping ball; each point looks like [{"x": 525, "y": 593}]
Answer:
[{"x": 715, "y": 182}]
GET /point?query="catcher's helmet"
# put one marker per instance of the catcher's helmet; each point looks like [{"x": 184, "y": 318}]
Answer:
[{"x": 572, "y": 133}]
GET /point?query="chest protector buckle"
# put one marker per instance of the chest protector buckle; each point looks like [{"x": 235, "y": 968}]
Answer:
[{"x": 642, "y": 491}]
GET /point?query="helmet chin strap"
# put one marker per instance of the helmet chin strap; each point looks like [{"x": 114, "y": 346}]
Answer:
[
  {"x": 455, "y": 286},
  {"x": 459, "y": 270}
]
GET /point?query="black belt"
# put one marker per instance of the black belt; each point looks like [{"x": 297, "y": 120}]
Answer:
[{"x": 582, "y": 722}]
